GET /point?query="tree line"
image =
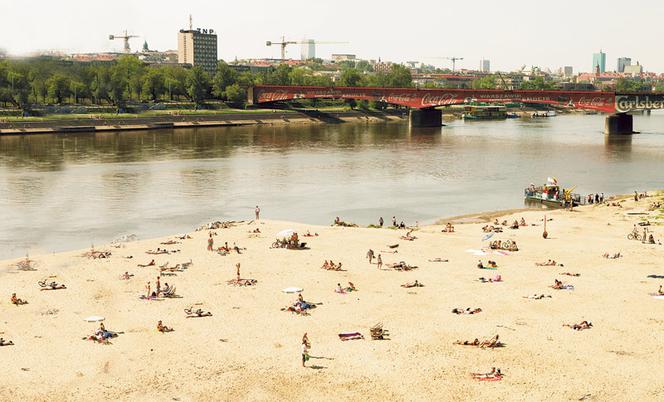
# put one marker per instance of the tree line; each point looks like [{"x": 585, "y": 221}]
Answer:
[{"x": 38, "y": 81}]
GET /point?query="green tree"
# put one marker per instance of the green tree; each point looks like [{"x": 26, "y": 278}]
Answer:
[
  {"x": 224, "y": 77},
  {"x": 198, "y": 85},
  {"x": 154, "y": 84},
  {"x": 58, "y": 87},
  {"x": 350, "y": 77},
  {"x": 236, "y": 95},
  {"x": 486, "y": 82},
  {"x": 399, "y": 77},
  {"x": 628, "y": 85},
  {"x": 538, "y": 83}
]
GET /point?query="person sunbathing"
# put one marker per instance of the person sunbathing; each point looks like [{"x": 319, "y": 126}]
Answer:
[
  {"x": 548, "y": 263},
  {"x": 162, "y": 328},
  {"x": 149, "y": 264},
  {"x": 415, "y": 284},
  {"x": 191, "y": 313},
  {"x": 536, "y": 297},
  {"x": 491, "y": 343},
  {"x": 496, "y": 278},
  {"x": 580, "y": 326},
  {"x": 351, "y": 287},
  {"x": 480, "y": 265},
  {"x": 557, "y": 284},
  {"x": 308, "y": 234},
  {"x": 3, "y": 342},
  {"x": 491, "y": 375},
  {"x": 157, "y": 251},
  {"x": 438, "y": 259},
  {"x": 660, "y": 291},
  {"x": 52, "y": 286},
  {"x": 184, "y": 237},
  {"x": 569, "y": 274},
  {"x": 339, "y": 289},
  {"x": 466, "y": 311},
  {"x": 523, "y": 222},
  {"x": 18, "y": 302},
  {"x": 475, "y": 342},
  {"x": 449, "y": 228},
  {"x": 126, "y": 276},
  {"x": 492, "y": 264},
  {"x": 325, "y": 265},
  {"x": 515, "y": 225},
  {"x": 169, "y": 242}
]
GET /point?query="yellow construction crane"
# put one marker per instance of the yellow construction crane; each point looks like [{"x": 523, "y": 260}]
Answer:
[
  {"x": 126, "y": 38},
  {"x": 285, "y": 43}
]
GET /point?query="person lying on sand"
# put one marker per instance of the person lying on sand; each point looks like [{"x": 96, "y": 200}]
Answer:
[
  {"x": 494, "y": 374},
  {"x": 126, "y": 276},
  {"x": 496, "y": 278},
  {"x": 3, "y": 342},
  {"x": 351, "y": 287},
  {"x": 557, "y": 284},
  {"x": 157, "y": 251},
  {"x": 308, "y": 234},
  {"x": 613, "y": 257},
  {"x": 51, "y": 286},
  {"x": 466, "y": 311},
  {"x": 475, "y": 342},
  {"x": 537, "y": 297},
  {"x": 570, "y": 274},
  {"x": 170, "y": 242},
  {"x": 415, "y": 284},
  {"x": 438, "y": 259},
  {"x": 408, "y": 236},
  {"x": 191, "y": 313},
  {"x": 580, "y": 326},
  {"x": 491, "y": 343},
  {"x": 149, "y": 264},
  {"x": 183, "y": 237},
  {"x": 19, "y": 302},
  {"x": 162, "y": 328},
  {"x": 548, "y": 263}
]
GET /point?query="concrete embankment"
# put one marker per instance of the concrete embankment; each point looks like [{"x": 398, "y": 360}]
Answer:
[{"x": 193, "y": 121}]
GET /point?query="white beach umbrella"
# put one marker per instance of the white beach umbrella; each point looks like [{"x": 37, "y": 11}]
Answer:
[{"x": 285, "y": 233}]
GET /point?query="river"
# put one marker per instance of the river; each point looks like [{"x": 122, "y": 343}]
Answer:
[{"x": 62, "y": 192}]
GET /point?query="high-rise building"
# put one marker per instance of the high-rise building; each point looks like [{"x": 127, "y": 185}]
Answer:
[
  {"x": 622, "y": 63},
  {"x": 198, "y": 47},
  {"x": 599, "y": 62},
  {"x": 485, "y": 66},
  {"x": 636, "y": 69},
  {"x": 308, "y": 49},
  {"x": 568, "y": 71}
]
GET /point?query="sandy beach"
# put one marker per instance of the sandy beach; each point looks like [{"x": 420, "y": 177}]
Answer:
[{"x": 251, "y": 350}]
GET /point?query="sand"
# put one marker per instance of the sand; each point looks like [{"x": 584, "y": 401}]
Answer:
[{"x": 250, "y": 350}]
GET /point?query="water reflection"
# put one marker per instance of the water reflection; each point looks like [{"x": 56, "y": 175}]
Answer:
[{"x": 64, "y": 191}]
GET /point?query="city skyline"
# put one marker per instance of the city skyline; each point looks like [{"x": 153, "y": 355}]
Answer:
[{"x": 509, "y": 35}]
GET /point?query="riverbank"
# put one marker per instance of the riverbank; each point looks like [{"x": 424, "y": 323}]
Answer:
[
  {"x": 227, "y": 119},
  {"x": 250, "y": 350}
]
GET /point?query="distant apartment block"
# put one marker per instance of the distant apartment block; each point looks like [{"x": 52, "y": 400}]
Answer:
[
  {"x": 198, "y": 47},
  {"x": 568, "y": 71},
  {"x": 485, "y": 66},
  {"x": 622, "y": 63}
]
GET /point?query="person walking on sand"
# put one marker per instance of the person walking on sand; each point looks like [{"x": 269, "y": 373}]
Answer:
[
  {"x": 237, "y": 271},
  {"x": 379, "y": 261},
  {"x": 158, "y": 286},
  {"x": 305, "y": 349},
  {"x": 148, "y": 288},
  {"x": 381, "y": 221},
  {"x": 370, "y": 255},
  {"x": 210, "y": 242},
  {"x": 258, "y": 212}
]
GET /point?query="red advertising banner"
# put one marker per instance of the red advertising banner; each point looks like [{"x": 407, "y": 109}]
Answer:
[{"x": 427, "y": 98}]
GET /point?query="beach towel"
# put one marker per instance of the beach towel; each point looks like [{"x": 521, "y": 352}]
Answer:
[
  {"x": 489, "y": 268},
  {"x": 657, "y": 296},
  {"x": 476, "y": 252},
  {"x": 348, "y": 336},
  {"x": 501, "y": 252},
  {"x": 292, "y": 290}
]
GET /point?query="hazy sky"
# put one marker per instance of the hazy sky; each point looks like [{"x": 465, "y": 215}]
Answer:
[{"x": 510, "y": 32}]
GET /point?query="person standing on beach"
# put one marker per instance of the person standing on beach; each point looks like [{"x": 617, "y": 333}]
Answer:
[
  {"x": 370, "y": 255},
  {"x": 394, "y": 221},
  {"x": 380, "y": 222},
  {"x": 237, "y": 269},
  {"x": 158, "y": 286},
  {"x": 147, "y": 287},
  {"x": 210, "y": 242},
  {"x": 379, "y": 261},
  {"x": 258, "y": 212},
  {"x": 305, "y": 349}
]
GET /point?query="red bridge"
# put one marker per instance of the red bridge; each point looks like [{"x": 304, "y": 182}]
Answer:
[
  {"x": 423, "y": 102},
  {"x": 431, "y": 98}
]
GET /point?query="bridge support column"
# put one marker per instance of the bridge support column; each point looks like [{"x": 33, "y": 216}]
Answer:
[
  {"x": 426, "y": 118},
  {"x": 619, "y": 123}
]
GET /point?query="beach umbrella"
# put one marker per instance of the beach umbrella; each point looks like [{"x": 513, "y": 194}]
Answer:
[
  {"x": 285, "y": 233},
  {"x": 94, "y": 318}
]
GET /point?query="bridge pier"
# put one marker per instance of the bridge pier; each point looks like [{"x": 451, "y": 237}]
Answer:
[
  {"x": 426, "y": 118},
  {"x": 619, "y": 123}
]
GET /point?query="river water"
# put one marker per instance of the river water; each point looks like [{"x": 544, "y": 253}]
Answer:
[{"x": 61, "y": 192}]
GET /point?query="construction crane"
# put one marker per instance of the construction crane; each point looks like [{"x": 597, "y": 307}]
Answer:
[
  {"x": 126, "y": 38},
  {"x": 285, "y": 43},
  {"x": 453, "y": 58}
]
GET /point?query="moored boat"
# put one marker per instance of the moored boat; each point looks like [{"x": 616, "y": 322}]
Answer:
[{"x": 551, "y": 195}]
